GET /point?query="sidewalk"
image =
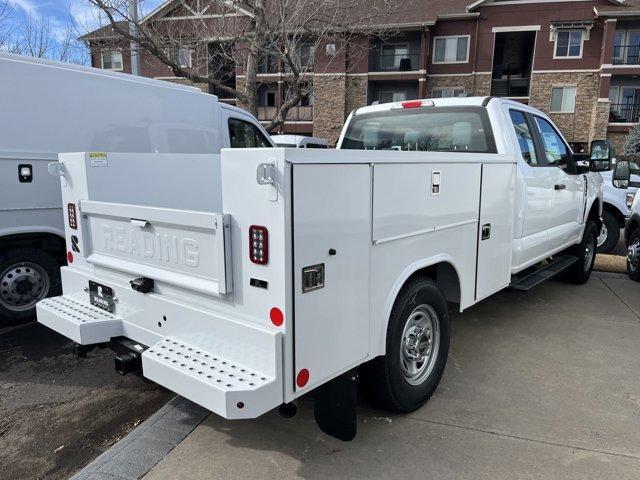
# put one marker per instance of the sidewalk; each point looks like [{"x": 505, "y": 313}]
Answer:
[{"x": 541, "y": 385}]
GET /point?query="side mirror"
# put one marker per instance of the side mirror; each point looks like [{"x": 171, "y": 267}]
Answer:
[
  {"x": 621, "y": 174},
  {"x": 600, "y": 159}
]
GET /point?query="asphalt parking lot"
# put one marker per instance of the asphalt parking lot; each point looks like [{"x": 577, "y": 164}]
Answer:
[
  {"x": 540, "y": 385},
  {"x": 58, "y": 412}
]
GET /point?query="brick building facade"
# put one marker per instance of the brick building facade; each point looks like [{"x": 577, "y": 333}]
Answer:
[{"x": 577, "y": 60}]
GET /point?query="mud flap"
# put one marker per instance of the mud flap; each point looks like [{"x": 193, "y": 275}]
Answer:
[{"x": 335, "y": 407}]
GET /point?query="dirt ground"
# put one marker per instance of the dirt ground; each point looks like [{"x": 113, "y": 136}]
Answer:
[{"x": 57, "y": 412}]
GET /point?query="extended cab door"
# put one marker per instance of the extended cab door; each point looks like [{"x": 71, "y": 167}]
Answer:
[
  {"x": 240, "y": 131},
  {"x": 567, "y": 189},
  {"x": 537, "y": 179}
]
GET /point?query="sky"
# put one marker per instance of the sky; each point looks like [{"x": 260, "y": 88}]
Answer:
[{"x": 60, "y": 14}]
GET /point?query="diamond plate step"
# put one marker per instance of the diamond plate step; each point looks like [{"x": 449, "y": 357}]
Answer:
[
  {"x": 80, "y": 321},
  {"x": 223, "y": 385}
]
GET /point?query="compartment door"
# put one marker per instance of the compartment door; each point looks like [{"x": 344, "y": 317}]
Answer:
[
  {"x": 332, "y": 240},
  {"x": 495, "y": 232}
]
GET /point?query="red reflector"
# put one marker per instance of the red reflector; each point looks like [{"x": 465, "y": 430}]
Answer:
[
  {"x": 258, "y": 244},
  {"x": 412, "y": 104},
  {"x": 71, "y": 213},
  {"x": 277, "y": 317},
  {"x": 303, "y": 377},
  {"x": 69, "y": 257}
]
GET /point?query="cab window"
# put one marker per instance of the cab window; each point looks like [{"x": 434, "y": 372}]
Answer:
[
  {"x": 243, "y": 134},
  {"x": 525, "y": 139},
  {"x": 555, "y": 150}
]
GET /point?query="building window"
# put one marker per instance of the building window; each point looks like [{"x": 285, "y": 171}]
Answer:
[
  {"x": 390, "y": 55},
  {"x": 568, "y": 44},
  {"x": 112, "y": 60},
  {"x": 387, "y": 97},
  {"x": 447, "y": 92},
  {"x": 451, "y": 49},
  {"x": 180, "y": 56},
  {"x": 563, "y": 99}
]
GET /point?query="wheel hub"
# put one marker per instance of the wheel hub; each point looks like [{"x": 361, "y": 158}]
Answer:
[
  {"x": 22, "y": 286},
  {"x": 589, "y": 252},
  {"x": 633, "y": 254},
  {"x": 420, "y": 344},
  {"x": 603, "y": 235}
]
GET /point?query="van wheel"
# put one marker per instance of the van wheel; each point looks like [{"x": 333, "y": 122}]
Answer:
[
  {"x": 633, "y": 255},
  {"x": 580, "y": 271},
  {"x": 26, "y": 277},
  {"x": 416, "y": 349},
  {"x": 610, "y": 233}
]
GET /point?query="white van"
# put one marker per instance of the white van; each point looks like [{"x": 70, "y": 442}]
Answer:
[
  {"x": 50, "y": 107},
  {"x": 299, "y": 141}
]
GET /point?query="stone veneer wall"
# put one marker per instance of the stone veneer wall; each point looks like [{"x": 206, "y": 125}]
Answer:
[
  {"x": 577, "y": 126},
  {"x": 618, "y": 139},
  {"x": 599, "y": 120},
  {"x": 355, "y": 93},
  {"x": 329, "y": 108}
]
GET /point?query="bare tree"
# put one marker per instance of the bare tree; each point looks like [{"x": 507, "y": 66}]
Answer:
[
  {"x": 255, "y": 36},
  {"x": 39, "y": 36}
]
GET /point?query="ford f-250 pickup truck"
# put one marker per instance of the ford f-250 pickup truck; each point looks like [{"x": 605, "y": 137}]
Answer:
[{"x": 318, "y": 268}]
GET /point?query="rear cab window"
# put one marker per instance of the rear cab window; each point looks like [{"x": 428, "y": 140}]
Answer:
[{"x": 432, "y": 129}]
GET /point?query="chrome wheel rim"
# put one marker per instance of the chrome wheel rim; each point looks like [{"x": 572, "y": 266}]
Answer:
[
  {"x": 603, "y": 235},
  {"x": 589, "y": 252},
  {"x": 633, "y": 255},
  {"x": 420, "y": 344},
  {"x": 22, "y": 285}
]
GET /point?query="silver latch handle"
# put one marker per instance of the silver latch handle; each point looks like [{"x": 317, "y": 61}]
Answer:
[
  {"x": 139, "y": 223},
  {"x": 57, "y": 169},
  {"x": 266, "y": 173}
]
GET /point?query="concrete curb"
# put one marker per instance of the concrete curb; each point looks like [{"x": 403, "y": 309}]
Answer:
[
  {"x": 138, "y": 452},
  {"x": 610, "y": 263}
]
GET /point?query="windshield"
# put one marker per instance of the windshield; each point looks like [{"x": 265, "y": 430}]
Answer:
[{"x": 434, "y": 129}]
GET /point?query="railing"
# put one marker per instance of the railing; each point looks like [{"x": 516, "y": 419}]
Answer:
[
  {"x": 404, "y": 62},
  {"x": 624, "y": 113},
  {"x": 296, "y": 114},
  {"x": 510, "y": 87},
  {"x": 626, "y": 55}
]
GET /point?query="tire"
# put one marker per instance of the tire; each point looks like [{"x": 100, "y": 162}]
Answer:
[
  {"x": 580, "y": 271},
  {"x": 27, "y": 276},
  {"x": 633, "y": 255},
  {"x": 389, "y": 379},
  {"x": 610, "y": 234}
]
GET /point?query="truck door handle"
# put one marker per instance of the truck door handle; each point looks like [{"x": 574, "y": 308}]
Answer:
[{"x": 560, "y": 186}]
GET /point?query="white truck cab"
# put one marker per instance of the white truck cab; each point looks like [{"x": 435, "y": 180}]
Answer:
[
  {"x": 625, "y": 175},
  {"x": 51, "y": 107},
  {"x": 317, "y": 268}
]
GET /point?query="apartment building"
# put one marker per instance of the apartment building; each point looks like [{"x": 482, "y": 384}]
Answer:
[{"x": 578, "y": 60}]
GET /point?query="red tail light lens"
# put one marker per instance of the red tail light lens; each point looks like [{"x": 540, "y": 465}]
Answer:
[
  {"x": 412, "y": 104},
  {"x": 73, "y": 218},
  {"x": 258, "y": 244}
]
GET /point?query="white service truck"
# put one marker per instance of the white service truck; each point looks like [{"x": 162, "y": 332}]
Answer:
[
  {"x": 315, "y": 267},
  {"x": 51, "y": 107}
]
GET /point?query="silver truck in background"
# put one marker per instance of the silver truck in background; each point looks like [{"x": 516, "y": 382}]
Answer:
[{"x": 50, "y": 107}]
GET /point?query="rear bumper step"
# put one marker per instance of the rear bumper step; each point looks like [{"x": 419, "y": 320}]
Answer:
[{"x": 236, "y": 372}]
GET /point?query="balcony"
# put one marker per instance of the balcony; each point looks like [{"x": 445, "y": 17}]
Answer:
[
  {"x": 401, "y": 62},
  {"x": 624, "y": 113},
  {"x": 296, "y": 114},
  {"x": 510, "y": 87},
  {"x": 626, "y": 55}
]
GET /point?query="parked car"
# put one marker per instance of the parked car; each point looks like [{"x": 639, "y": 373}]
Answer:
[
  {"x": 50, "y": 107},
  {"x": 299, "y": 141},
  {"x": 315, "y": 263},
  {"x": 624, "y": 176},
  {"x": 616, "y": 210}
]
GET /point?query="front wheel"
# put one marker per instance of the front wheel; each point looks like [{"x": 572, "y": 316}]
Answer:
[
  {"x": 609, "y": 234},
  {"x": 580, "y": 271},
  {"x": 416, "y": 349},
  {"x": 633, "y": 255}
]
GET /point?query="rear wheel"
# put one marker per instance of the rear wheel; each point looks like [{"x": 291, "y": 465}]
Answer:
[
  {"x": 633, "y": 255},
  {"x": 26, "y": 277},
  {"x": 609, "y": 234},
  {"x": 416, "y": 349},
  {"x": 580, "y": 271}
]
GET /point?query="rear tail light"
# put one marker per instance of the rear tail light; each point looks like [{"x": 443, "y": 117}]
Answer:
[
  {"x": 258, "y": 244},
  {"x": 414, "y": 104},
  {"x": 73, "y": 218}
]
